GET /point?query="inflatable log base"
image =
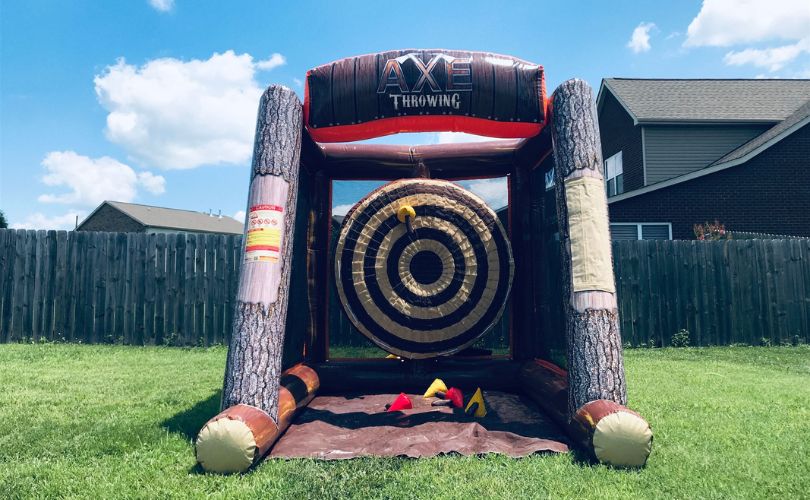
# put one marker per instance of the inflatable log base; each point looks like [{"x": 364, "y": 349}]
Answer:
[
  {"x": 241, "y": 435},
  {"x": 611, "y": 433}
]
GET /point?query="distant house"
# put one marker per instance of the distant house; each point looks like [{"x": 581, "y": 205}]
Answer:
[
  {"x": 116, "y": 216},
  {"x": 683, "y": 152}
]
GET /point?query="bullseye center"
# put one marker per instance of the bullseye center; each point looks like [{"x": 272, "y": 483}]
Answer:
[{"x": 426, "y": 267}]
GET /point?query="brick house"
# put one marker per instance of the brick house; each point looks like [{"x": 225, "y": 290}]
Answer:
[
  {"x": 683, "y": 152},
  {"x": 116, "y": 216}
]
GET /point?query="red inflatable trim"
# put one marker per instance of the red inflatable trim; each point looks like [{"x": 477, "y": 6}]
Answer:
[{"x": 444, "y": 123}]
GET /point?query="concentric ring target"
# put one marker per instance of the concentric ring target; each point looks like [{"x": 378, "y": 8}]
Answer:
[{"x": 431, "y": 289}]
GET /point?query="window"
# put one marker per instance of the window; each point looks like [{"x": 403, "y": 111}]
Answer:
[
  {"x": 614, "y": 175},
  {"x": 549, "y": 178},
  {"x": 640, "y": 231}
]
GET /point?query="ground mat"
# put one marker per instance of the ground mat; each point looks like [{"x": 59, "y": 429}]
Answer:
[{"x": 338, "y": 427}]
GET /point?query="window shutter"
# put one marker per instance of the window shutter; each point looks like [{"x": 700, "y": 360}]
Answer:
[
  {"x": 623, "y": 232},
  {"x": 655, "y": 232}
]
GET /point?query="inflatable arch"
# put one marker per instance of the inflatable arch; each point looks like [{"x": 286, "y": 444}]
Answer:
[{"x": 422, "y": 267}]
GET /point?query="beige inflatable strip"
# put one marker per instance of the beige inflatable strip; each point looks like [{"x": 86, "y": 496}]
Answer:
[{"x": 591, "y": 266}]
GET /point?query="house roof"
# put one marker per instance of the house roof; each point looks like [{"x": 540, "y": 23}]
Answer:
[
  {"x": 173, "y": 218},
  {"x": 770, "y": 136},
  {"x": 707, "y": 100}
]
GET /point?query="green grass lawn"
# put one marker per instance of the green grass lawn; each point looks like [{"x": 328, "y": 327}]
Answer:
[{"x": 97, "y": 421}]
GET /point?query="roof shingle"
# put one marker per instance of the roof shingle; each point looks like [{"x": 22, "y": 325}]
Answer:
[{"x": 710, "y": 100}]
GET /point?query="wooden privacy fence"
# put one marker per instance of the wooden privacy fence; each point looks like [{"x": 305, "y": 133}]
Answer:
[
  {"x": 722, "y": 292},
  {"x": 178, "y": 289},
  {"x": 134, "y": 288}
]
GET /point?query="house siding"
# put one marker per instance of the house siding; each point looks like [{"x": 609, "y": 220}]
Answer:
[
  {"x": 618, "y": 133},
  {"x": 108, "y": 218},
  {"x": 768, "y": 194},
  {"x": 674, "y": 150}
]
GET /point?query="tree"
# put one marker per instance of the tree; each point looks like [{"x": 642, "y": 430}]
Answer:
[{"x": 3, "y": 222}]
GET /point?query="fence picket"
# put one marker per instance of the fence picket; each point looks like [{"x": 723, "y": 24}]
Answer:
[
  {"x": 160, "y": 288},
  {"x": 171, "y": 288},
  {"x": 150, "y": 266},
  {"x": 207, "y": 289},
  {"x": 6, "y": 281}
]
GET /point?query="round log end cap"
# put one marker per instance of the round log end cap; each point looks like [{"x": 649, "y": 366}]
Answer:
[
  {"x": 622, "y": 439},
  {"x": 226, "y": 446}
]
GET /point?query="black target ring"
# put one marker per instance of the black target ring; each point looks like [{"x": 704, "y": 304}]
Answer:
[
  {"x": 426, "y": 267},
  {"x": 460, "y": 283}
]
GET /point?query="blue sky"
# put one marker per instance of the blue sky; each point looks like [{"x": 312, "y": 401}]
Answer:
[{"x": 153, "y": 101}]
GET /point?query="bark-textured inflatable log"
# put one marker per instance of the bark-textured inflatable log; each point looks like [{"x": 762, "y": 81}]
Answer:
[
  {"x": 254, "y": 357},
  {"x": 241, "y": 435},
  {"x": 596, "y": 368},
  {"x": 611, "y": 433},
  {"x": 596, "y": 385},
  {"x": 253, "y": 369}
]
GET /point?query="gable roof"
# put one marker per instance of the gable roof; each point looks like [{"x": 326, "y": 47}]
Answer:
[
  {"x": 173, "y": 218},
  {"x": 707, "y": 100},
  {"x": 774, "y": 134}
]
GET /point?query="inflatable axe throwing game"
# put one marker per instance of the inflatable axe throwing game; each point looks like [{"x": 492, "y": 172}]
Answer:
[{"x": 423, "y": 268}]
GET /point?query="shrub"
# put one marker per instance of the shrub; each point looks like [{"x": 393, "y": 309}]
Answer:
[
  {"x": 681, "y": 338},
  {"x": 765, "y": 342},
  {"x": 709, "y": 231}
]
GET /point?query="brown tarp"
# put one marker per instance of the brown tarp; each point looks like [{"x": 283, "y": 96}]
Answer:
[{"x": 336, "y": 427}]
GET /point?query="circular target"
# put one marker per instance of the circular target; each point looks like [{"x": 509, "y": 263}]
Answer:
[{"x": 423, "y": 267}]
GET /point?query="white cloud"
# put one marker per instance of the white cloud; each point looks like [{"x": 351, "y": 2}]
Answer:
[
  {"x": 494, "y": 192},
  {"x": 155, "y": 184},
  {"x": 182, "y": 114},
  {"x": 298, "y": 82},
  {"x": 726, "y": 23},
  {"x": 92, "y": 180},
  {"x": 341, "y": 209},
  {"x": 640, "y": 39},
  {"x": 773, "y": 59},
  {"x": 162, "y": 5},
  {"x": 460, "y": 137},
  {"x": 722, "y": 23},
  {"x": 274, "y": 61},
  {"x": 39, "y": 220},
  {"x": 240, "y": 216}
]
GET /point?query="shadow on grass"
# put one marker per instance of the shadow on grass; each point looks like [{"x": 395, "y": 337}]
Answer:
[{"x": 189, "y": 422}]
